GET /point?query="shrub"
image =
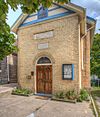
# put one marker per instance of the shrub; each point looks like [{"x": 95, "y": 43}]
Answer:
[
  {"x": 70, "y": 94},
  {"x": 83, "y": 96},
  {"x": 59, "y": 95},
  {"x": 22, "y": 91}
]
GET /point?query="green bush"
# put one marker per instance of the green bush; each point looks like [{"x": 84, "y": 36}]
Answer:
[
  {"x": 71, "y": 94},
  {"x": 22, "y": 91},
  {"x": 83, "y": 96},
  {"x": 59, "y": 95}
]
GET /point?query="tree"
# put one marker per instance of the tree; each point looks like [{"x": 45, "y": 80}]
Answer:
[
  {"x": 27, "y": 6},
  {"x": 95, "y": 56}
]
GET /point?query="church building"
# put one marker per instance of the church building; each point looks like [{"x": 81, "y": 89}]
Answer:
[{"x": 54, "y": 48}]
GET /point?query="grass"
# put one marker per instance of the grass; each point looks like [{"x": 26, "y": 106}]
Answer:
[{"x": 96, "y": 91}]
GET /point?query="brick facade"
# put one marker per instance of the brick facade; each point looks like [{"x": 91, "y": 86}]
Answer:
[
  {"x": 63, "y": 48},
  {"x": 86, "y": 62},
  {"x": 66, "y": 41}
]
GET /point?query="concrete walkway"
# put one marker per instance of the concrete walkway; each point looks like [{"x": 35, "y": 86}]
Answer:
[
  {"x": 19, "y": 106},
  {"x": 7, "y": 87}
]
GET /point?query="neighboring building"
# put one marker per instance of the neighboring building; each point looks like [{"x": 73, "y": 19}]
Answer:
[
  {"x": 94, "y": 77},
  {"x": 54, "y": 49},
  {"x": 3, "y": 71},
  {"x": 8, "y": 69}
]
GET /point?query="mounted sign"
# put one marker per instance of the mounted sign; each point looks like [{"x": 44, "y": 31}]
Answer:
[
  {"x": 43, "y": 35},
  {"x": 68, "y": 71},
  {"x": 42, "y": 45}
]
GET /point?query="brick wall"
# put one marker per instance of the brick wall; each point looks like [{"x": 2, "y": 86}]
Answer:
[
  {"x": 63, "y": 49},
  {"x": 86, "y": 55}
]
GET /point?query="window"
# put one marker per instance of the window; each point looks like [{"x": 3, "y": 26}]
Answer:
[
  {"x": 68, "y": 71},
  {"x": 43, "y": 60},
  {"x": 42, "y": 13}
]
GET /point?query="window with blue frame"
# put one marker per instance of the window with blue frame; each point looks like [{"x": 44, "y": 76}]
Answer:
[
  {"x": 68, "y": 72},
  {"x": 42, "y": 13}
]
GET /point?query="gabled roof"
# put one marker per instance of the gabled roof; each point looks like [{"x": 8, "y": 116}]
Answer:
[
  {"x": 17, "y": 23},
  {"x": 71, "y": 7},
  {"x": 80, "y": 11}
]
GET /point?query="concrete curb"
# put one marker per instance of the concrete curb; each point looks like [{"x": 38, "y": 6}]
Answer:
[{"x": 94, "y": 107}]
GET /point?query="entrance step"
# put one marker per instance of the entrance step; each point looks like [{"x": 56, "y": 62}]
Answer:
[{"x": 43, "y": 96}]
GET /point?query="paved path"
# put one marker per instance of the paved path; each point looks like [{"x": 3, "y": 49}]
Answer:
[
  {"x": 7, "y": 87},
  {"x": 19, "y": 106}
]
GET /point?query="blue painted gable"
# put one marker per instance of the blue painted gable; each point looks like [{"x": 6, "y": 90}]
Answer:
[{"x": 55, "y": 11}]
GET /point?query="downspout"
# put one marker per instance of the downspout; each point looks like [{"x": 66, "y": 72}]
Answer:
[
  {"x": 82, "y": 42},
  {"x": 82, "y": 67},
  {"x": 79, "y": 60},
  {"x": 8, "y": 68},
  {"x": 80, "y": 79},
  {"x": 87, "y": 31},
  {"x": 80, "y": 38}
]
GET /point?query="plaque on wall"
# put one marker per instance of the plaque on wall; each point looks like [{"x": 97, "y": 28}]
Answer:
[
  {"x": 43, "y": 35},
  {"x": 42, "y": 45},
  {"x": 68, "y": 71}
]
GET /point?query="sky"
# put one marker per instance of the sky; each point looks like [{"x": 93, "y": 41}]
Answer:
[{"x": 92, "y": 10}]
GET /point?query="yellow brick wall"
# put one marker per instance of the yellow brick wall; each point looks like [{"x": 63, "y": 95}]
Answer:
[
  {"x": 63, "y": 49},
  {"x": 86, "y": 55}
]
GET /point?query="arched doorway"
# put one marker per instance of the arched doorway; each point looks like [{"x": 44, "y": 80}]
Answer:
[{"x": 44, "y": 76}]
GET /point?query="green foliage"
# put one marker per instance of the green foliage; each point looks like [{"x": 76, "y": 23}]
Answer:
[
  {"x": 96, "y": 91},
  {"x": 21, "y": 91},
  {"x": 27, "y": 6},
  {"x": 71, "y": 94},
  {"x": 60, "y": 95},
  {"x": 95, "y": 56},
  {"x": 6, "y": 44},
  {"x": 83, "y": 96}
]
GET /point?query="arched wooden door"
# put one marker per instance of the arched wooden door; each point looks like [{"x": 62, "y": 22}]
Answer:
[{"x": 44, "y": 78}]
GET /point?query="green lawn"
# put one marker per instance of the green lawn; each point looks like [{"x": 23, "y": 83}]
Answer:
[{"x": 96, "y": 91}]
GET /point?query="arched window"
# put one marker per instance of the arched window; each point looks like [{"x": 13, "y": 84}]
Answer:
[
  {"x": 42, "y": 13},
  {"x": 43, "y": 60}
]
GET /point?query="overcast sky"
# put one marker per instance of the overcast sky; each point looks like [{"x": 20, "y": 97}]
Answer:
[{"x": 92, "y": 9}]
